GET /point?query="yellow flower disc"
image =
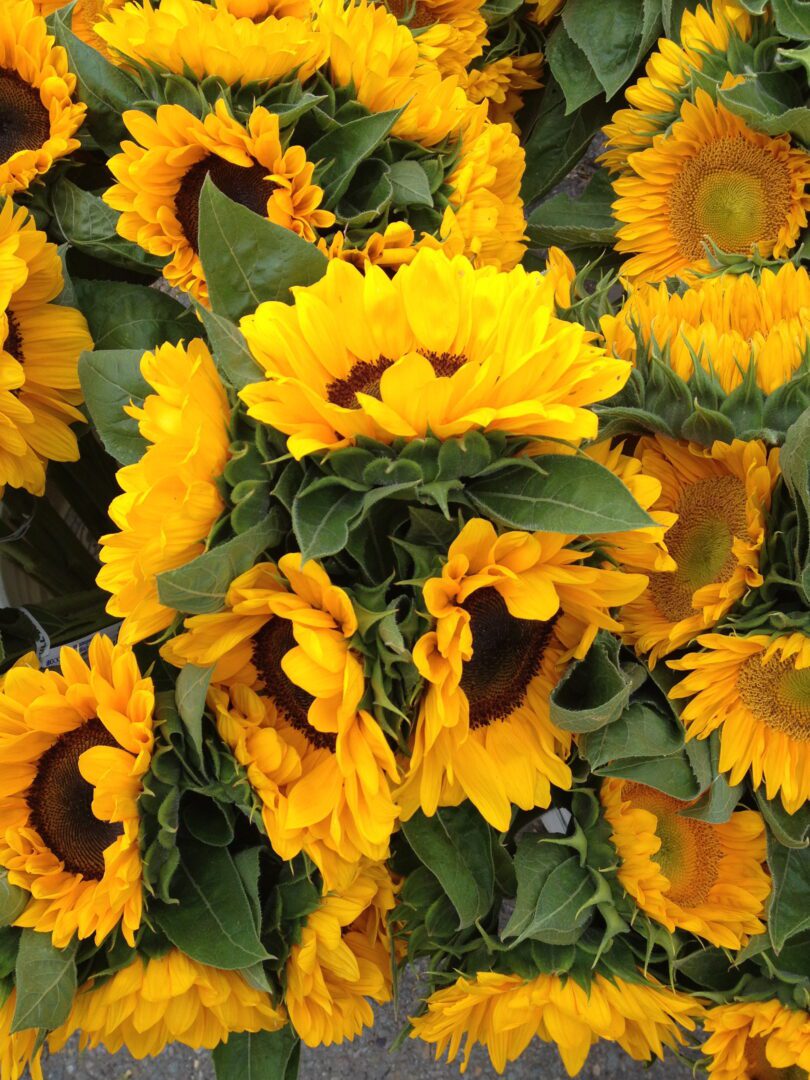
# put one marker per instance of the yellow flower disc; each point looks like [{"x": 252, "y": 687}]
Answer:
[{"x": 757, "y": 1040}]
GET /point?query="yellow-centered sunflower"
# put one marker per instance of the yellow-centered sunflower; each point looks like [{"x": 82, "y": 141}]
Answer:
[
  {"x": 37, "y": 116},
  {"x": 685, "y": 873},
  {"x": 502, "y": 84},
  {"x": 507, "y": 611},
  {"x": 729, "y": 322},
  {"x": 721, "y": 497},
  {"x": 756, "y": 691},
  {"x": 320, "y": 763},
  {"x": 504, "y": 1013},
  {"x": 169, "y": 498},
  {"x": 395, "y": 358},
  {"x": 40, "y": 345},
  {"x": 712, "y": 178},
  {"x": 757, "y": 1040},
  {"x": 76, "y": 746},
  {"x": 654, "y": 100},
  {"x": 342, "y": 960},
  {"x": 19, "y": 1055},
  {"x": 160, "y": 177},
  {"x": 158, "y": 1000},
  {"x": 450, "y": 33}
]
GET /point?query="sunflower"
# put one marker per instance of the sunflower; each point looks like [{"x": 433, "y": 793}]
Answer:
[
  {"x": 711, "y": 178},
  {"x": 318, "y": 761},
  {"x": 84, "y": 17},
  {"x": 543, "y": 11},
  {"x": 19, "y": 1056},
  {"x": 655, "y": 99},
  {"x": 729, "y": 322},
  {"x": 504, "y": 1013},
  {"x": 367, "y": 355},
  {"x": 76, "y": 746},
  {"x": 40, "y": 345},
  {"x": 170, "y": 498},
  {"x": 507, "y": 610},
  {"x": 756, "y": 691},
  {"x": 258, "y": 10},
  {"x": 156, "y": 1000},
  {"x": 343, "y": 958},
  {"x": 450, "y": 33},
  {"x": 757, "y": 1040},
  {"x": 160, "y": 177},
  {"x": 502, "y": 84},
  {"x": 685, "y": 873},
  {"x": 721, "y": 497}
]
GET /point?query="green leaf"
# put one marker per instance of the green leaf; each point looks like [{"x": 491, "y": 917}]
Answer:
[
  {"x": 673, "y": 775},
  {"x": 190, "y": 690},
  {"x": 233, "y": 358},
  {"x": 456, "y": 846},
  {"x": 410, "y": 183},
  {"x": 640, "y": 732},
  {"x": 46, "y": 982},
  {"x": 791, "y": 830},
  {"x": 574, "y": 222},
  {"x": 552, "y": 891},
  {"x": 123, "y": 316},
  {"x": 788, "y": 911},
  {"x": 794, "y": 461},
  {"x": 322, "y": 514},
  {"x": 594, "y": 691},
  {"x": 613, "y": 36},
  {"x": 718, "y": 803},
  {"x": 247, "y": 259},
  {"x": 340, "y": 151},
  {"x": 211, "y": 823},
  {"x": 576, "y": 496},
  {"x": 212, "y": 920},
  {"x": 571, "y": 69},
  {"x": 792, "y": 18},
  {"x": 199, "y": 587},
  {"x": 755, "y": 101},
  {"x": 263, "y": 1055},
  {"x": 111, "y": 380},
  {"x": 13, "y": 900}
]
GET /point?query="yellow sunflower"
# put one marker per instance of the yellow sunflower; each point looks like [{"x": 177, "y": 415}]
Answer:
[
  {"x": 258, "y": 10},
  {"x": 721, "y": 497},
  {"x": 37, "y": 116},
  {"x": 502, "y": 84},
  {"x": 543, "y": 11},
  {"x": 159, "y": 1000},
  {"x": 507, "y": 611},
  {"x": 757, "y": 1040},
  {"x": 169, "y": 498},
  {"x": 160, "y": 177},
  {"x": 319, "y": 762},
  {"x": 729, "y": 322},
  {"x": 756, "y": 691},
  {"x": 368, "y": 355},
  {"x": 40, "y": 345},
  {"x": 76, "y": 746},
  {"x": 654, "y": 99},
  {"x": 84, "y": 17},
  {"x": 685, "y": 873},
  {"x": 343, "y": 958},
  {"x": 450, "y": 33},
  {"x": 710, "y": 178},
  {"x": 19, "y": 1056},
  {"x": 504, "y": 1013}
]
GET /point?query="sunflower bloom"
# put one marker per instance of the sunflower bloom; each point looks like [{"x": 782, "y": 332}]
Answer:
[
  {"x": 159, "y": 1000},
  {"x": 80, "y": 742},
  {"x": 504, "y": 1013},
  {"x": 257, "y": 10},
  {"x": 169, "y": 498},
  {"x": 343, "y": 958},
  {"x": 689, "y": 874},
  {"x": 160, "y": 177},
  {"x": 502, "y": 84},
  {"x": 84, "y": 17},
  {"x": 729, "y": 322},
  {"x": 367, "y": 355},
  {"x": 756, "y": 691},
  {"x": 450, "y": 33},
  {"x": 543, "y": 11},
  {"x": 507, "y": 610},
  {"x": 721, "y": 497},
  {"x": 711, "y": 178},
  {"x": 19, "y": 1055},
  {"x": 757, "y": 1040},
  {"x": 40, "y": 345}
]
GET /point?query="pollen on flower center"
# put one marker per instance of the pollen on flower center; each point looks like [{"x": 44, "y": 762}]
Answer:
[
  {"x": 365, "y": 376},
  {"x": 247, "y": 185},
  {"x": 759, "y": 1068},
  {"x": 711, "y": 513},
  {"x": 507, "y": 653},
  {"x": 60, "y": 801},
  {"x": 734, "y": 193},
  {"x": 24, "y": 121},
  {"x": 777, "y": 694}
]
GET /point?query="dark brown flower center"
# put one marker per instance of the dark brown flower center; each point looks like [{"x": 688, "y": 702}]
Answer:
[
  {"x": 13, "y": 343},
  {"x": 24, "y": 120},
  {"x": 759, "y": 1068},
  {"x": 365, "y": 376},
  {"x": 270, "y": 646},
  {"x": 246, "y": 185},
  {"x": 60, "y": 801},
  {"x": 417, "y": 14},
  {"x": 507, "y": 653}
]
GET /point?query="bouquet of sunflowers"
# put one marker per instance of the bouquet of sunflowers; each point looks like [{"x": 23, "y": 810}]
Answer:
[{"x": 405, "y": 528}]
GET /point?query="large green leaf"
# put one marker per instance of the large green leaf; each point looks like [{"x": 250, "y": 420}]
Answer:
[
  {"x": 758, "y": 101},
  {"x": 322, "y": 514},
  {"x": 340, "y": 151},
  {"x": 190, "y": 691},
  {"x": 791, "y": 830},
  {"x": 792, "y": 18},
  {"x": 571, "y": 69},
  {"x": 123, "y": 316},
  {"x": 641, "y": 732},
  {"x": 111, "y": 380},
  {"x": 263, "y": 1055},
  {"x": 576, "y": 222},
  {"x": 410, "y": 183},
  {"x": 594, "y": 691},
  {"x": 229, "y": 349},
  {"x": 13, "y": 900},
  {"x": 46, "y": 982},
  {"x": 788, "y": 911},
  {"x": 552, "y": 892},
  {"x": 614, "y": 37}
]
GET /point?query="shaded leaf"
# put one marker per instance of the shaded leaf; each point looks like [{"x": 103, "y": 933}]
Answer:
[
  {"x": 111, "y": 380},
  {"x": 46, "y": 982}
]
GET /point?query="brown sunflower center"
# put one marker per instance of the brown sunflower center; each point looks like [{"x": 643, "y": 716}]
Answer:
[
  {"x": 247, "y": 185},
  {"x": 690, "y": 851},
  {"x": 13, "y": 343},
  {"x": 759, "y": 1068},
  {"x": 777, "y": 694},
  {"x": 711, "y": 513},
  {"x": 270, "y": 646},
  {"x": 416, "y": 14},
  {"x": 24, "y": 120},
  {"x": 365, "y": 376},
  {"x": 60, "y": 801},
  {"x": 507, "y": 653},
  {"x": 734, "y": 193}
]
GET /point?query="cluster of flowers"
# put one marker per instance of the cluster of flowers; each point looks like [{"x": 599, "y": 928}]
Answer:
[{"x": 405, "y": 565}]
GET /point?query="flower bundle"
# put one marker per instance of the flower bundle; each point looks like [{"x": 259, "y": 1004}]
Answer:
[{"x": 405, "y": 565}]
